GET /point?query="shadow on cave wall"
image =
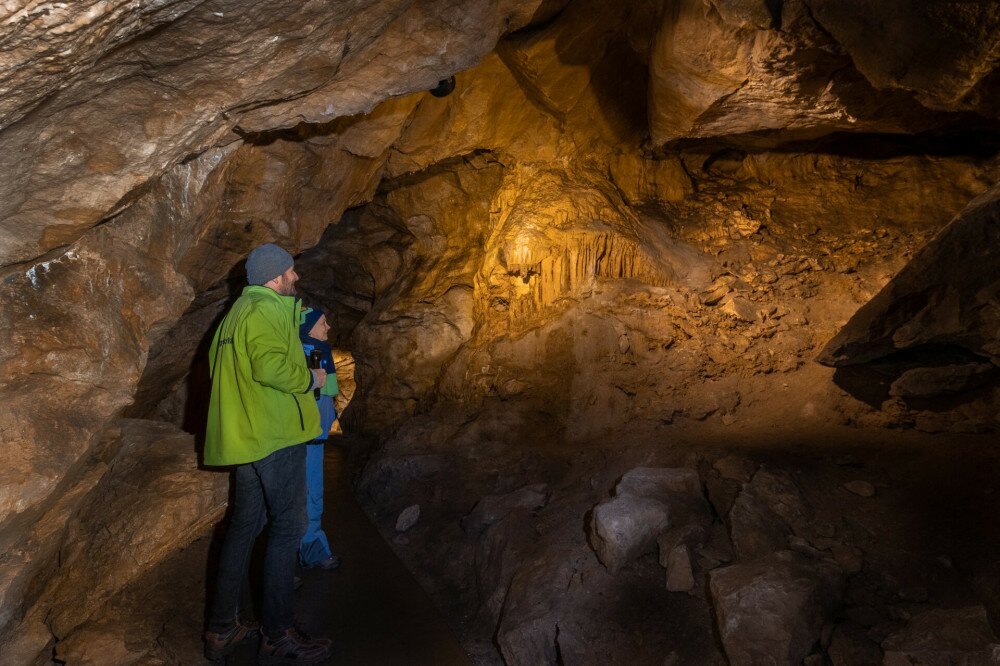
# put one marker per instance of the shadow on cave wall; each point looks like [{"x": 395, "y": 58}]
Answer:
[
  {"x": 175, "y": 385},
  {"x": 872, "y": 382}
]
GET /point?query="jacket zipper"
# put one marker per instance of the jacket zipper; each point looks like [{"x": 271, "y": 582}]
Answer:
[{"x": 295, "y": 325}]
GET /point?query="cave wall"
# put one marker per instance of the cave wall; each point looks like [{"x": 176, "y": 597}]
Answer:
[
  {"x": 112, "y": 244},
  {"x": 149, "y": 148}
]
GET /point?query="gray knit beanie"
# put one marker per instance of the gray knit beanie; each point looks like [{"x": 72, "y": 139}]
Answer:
[{"x": 267, "y": 262}]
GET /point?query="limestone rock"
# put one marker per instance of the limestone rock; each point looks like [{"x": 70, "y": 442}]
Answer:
[
  {"x": 492, "y": 508},
  {"x": 940, "y": 52},
  {"x": 935, "y": 300},
  {"x": 677, "y": 546},
  {"x": 935, "y": 381},
  {"x": 734, "y": 467},
  {"x": 739, "y": 308},
  {"x": 137, "y": 275},
  {"x": 756, "y": 531},
  {"x": 861, "y": 488},
  {"x": 659, "y": 482},
  {"x": 625, "y": 527},
  {"x": 680, "y": 574},
  {"x": 850, "y": 645},
  {"x": 940, "y": 636},
  {"x": 641, "y": 180},
  {"x": 765, "y": 514},
  {"x": 646, "y": 502},
  {"x": 407, "y": 518},
  {"x": 711, "y": 63},
  {"x": 401, "y": 347},
  {"x": 129, "y": 94},
  {"x": 152, "y": 500},
  {"x": 772, "y": 610}
]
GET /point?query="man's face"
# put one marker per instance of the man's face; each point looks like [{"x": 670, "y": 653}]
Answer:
[{"x": 284, "y": 284}]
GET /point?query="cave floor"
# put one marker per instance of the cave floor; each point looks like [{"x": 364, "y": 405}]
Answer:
[
  {"x": 930, "y": 525},
  {"x": 371, "y": 607}
]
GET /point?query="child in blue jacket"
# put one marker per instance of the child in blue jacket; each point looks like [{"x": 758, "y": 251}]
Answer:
[{"x": 314, "y": 550}]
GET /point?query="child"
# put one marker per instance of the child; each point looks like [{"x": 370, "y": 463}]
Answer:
[{"x": 314, "y": 550}]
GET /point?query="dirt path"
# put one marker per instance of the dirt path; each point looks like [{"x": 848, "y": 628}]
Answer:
[{"x": 371, "y": 607}]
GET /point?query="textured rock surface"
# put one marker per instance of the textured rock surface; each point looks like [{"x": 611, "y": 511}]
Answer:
[
  {"x": 936, "y": 299},
  {"x": 150, "y": 500},
  {"x": 547, "y": 278},
  {"x": 807, "y": 68},
  {"x": 70, "y": 370},
  {"x": 957, "y": 636},
  {"x": 625, "y": 527},
  {"x": 492, "y": 508},
  {"x": 647, "y": 501},
  {"x": 107, "y": 98},
  {"x": 772, "y": 610}
]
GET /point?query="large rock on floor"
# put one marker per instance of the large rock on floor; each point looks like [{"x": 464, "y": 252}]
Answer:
[
  {"x": 945, "y": 296},
  {"x": 647, "y": 501},
  {"x": 944, "y": 636},
  {"x": 625, "y": 527},
  {"x": 766, "y": 512},
  {"x": 772, "y": 610}
]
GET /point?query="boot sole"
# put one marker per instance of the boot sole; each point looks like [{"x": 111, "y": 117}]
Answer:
[{"x": 263, "y": 660}]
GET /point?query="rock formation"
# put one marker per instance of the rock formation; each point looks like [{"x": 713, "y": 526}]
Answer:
[{"x": 628, "y": 232}]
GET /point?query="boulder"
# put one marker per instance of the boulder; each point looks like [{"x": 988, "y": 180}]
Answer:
[
  {"x": 773, "y": 609},
  {"x": 940, "y": 380},
  {"x": 767, "y": 511},
  {"x": 944, "y": 636},
  {"x": 492, "y": 508},
  {"x": 936, "y": 301},
  {"x": 711, "y": 62},
  {"x": 647, "y": 501},
  {"x": 625, "y": 527},
  {"x": 680, "y": 573},
  {"x": 407, "y": 518},
  {"x": 659, "y": 482},
  {"x": 755, "y": 530}
]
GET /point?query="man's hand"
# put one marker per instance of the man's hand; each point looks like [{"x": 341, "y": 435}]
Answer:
[{"x": 319, "y": 378}]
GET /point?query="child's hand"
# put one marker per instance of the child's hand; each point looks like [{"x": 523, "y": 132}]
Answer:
[{"x": 319, "y": 377}]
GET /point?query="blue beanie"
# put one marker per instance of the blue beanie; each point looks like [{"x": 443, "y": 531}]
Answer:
[
  {"x": 307, "y": 320},
  {"x": 267, "y": 262}
]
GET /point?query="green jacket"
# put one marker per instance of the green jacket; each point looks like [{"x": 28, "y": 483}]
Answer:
[{"x": 260, "y": 381}]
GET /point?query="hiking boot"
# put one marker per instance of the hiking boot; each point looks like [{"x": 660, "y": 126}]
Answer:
[
  {"x": 219, "y": 644},
  {"x": 293, "y": 647}
]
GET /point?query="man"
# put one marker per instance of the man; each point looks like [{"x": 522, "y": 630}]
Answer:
[{"x": 259, "y": 415}]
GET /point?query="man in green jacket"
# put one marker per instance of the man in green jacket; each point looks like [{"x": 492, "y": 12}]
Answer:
[{"x": 259, "y": 416}]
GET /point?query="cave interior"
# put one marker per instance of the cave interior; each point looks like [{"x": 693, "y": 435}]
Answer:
[{"x": 679, "y": 320}]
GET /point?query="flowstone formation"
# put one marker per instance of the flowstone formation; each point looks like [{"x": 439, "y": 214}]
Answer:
[{"x": 605, "y": 262}]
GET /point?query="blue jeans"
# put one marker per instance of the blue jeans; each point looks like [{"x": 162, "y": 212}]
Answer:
[
  {"x": 269, "y": 489},
  {"x": 315, "y": 547}
]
